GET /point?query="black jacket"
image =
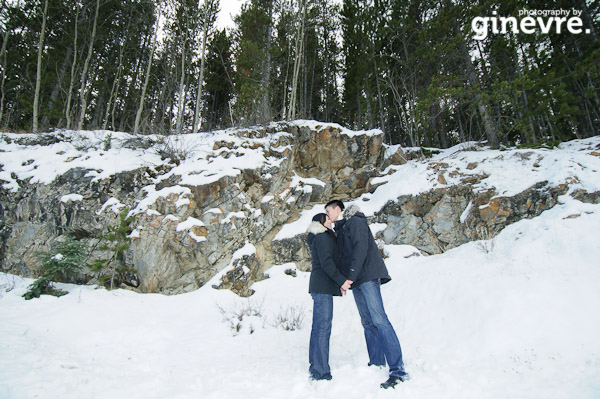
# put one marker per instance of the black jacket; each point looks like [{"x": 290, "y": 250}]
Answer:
[
  {"x": 325, "y": 277},
  {"x": 361, "y": 259}
]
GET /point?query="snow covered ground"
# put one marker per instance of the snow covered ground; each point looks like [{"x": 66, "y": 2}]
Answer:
[{"x": 512, "y": 317}]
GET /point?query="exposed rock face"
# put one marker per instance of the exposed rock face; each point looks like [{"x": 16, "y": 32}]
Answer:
[
  {"x": 186, "y": 232},
  {"x": 346, "y": 162},
  {"x": 189, "y": 232},
  {"x": 446, "y": 218}
]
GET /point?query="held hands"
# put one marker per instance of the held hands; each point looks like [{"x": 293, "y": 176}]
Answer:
[{"x": 345, "y": 287}]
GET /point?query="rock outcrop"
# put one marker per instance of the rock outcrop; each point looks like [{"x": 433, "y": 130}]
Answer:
[
  {"x": 185, "y": 233},
  {"x": 192, "y": 208}
]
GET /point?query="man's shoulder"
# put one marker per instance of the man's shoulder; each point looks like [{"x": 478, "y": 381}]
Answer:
[{"x": 357, "y": 218}]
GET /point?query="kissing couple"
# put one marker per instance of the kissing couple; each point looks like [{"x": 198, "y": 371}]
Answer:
[{"x": 345, "y": 256}]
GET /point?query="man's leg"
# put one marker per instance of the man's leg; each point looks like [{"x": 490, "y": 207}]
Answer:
[
  {"x": 319, "y": 336},
  {"x": 391, "y": 345},
  {"x": 374, "y": 345}
]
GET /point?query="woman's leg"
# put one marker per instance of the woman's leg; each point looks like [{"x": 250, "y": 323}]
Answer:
[{"x": 319, "y": 336}]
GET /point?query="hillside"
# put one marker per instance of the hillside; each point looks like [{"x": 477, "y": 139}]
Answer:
[
  {"x": 196, "y": 199},
  {"x": 515, "y": 316}
]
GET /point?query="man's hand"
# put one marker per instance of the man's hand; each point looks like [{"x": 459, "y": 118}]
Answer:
[{"x": 346, "y": 286}]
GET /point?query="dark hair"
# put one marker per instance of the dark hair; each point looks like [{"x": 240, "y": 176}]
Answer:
[
  {"x": 337, "y": 203},
  {"x": 322, "y": 218}
]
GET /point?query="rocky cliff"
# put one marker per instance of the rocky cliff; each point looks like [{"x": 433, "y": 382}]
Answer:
[{"x": 198, "y": 200}]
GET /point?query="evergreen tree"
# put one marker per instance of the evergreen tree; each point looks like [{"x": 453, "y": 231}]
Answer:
[
  {"x": 251, "y": 38},
  {"x": 219, "y": 82}
]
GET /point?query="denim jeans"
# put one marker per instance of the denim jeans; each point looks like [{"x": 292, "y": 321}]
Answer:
[
  {"x": 382, "y": 342},
  {"x": 318, "y": 352}
]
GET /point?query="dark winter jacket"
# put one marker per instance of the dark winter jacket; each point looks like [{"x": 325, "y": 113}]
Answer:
[
  {"x": 325, "y": 277},
  {"x": 361, "y": 259}
]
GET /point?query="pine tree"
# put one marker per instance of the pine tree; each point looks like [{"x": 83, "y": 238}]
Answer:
[{"x": 219, "y": 82}]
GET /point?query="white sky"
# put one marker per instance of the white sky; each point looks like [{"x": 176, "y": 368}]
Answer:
[{"x": 229, "y": 8}]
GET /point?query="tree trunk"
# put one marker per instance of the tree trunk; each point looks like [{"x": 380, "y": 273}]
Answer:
[
  {"x": 182, "y": 95},
  {"x": 83, "y": 89},
  {"x": 113, "y": 93},
  {"x": 299, "y": 50},
  {"x": 378, "y": 86},
  {"x": 197, "y": 116},
  {"x": 265, "y": 111},
  {"x": 57, "y": 87},
  {"x": 3, "y": 77},
  {"x": 138, "y": 115},
  {"x": 72, "y": 80},
  {"x": 482, "y": 107},
  {"x": 38, "y": 76}
]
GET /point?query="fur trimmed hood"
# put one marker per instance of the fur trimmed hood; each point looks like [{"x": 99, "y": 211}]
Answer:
[
  {"x": 352, "y": 210},
  {"x": 316, "y": 228}
]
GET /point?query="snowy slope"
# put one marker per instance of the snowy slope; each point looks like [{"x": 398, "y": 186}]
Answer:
[
  {"x": 514, "y": 317},
  {"x": 509, "y": 172}
]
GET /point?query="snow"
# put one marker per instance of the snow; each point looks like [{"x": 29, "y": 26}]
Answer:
[
  {"x": 71, "y": 198},
  {"x": 316, "y": 125},
  {"x": 114, "y": 204},
  {"x": 189, "y": 223},
  {"x": 45, "y": 163},
  {"x": 247, "y": 250},
  {"x": 510, "y": 172},
  {"x": 514, "y": 317},
  {"x": 465, "y": 213},
  {"x": 300, "y": 225}
]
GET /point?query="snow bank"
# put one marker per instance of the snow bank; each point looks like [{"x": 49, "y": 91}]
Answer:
[{"x": 512, "y": 317}]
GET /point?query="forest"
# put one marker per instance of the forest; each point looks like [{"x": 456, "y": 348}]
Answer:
[{"x": 413, "y": 69}]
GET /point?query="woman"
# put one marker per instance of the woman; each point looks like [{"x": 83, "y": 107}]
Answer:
[{"x": 325, "y": 282}]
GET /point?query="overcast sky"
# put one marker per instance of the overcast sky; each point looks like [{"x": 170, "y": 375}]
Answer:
[{"x": 229, "y": 8}]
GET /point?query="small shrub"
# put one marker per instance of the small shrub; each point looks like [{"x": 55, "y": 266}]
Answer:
[
  {"x": 63, "y": 263},
  {"x": 113, "y": 269},
  {"x": 487, "y": 237},
  {"x": 243, "y": 317},
  {"x": 291, "y": 318},
  {"x": 549, "y": 145},
  {"x": 43, "y": 286},
  {"x": 107, "y": 142},
  {"x": 175, "y": 150}
]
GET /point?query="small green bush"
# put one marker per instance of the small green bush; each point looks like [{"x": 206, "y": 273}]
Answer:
[
  {"x": 63, "y": 263},
  {"x": 43, "y": 286},
  {"x": 112, "y": 269}
]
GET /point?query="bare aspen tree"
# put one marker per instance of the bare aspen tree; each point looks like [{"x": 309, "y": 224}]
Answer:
[
  {"x": 72, "y": 80},
  {"x": 38, "y": 77},
  {"x": 287, "y": 69},
  {"x": 299, "y": 50},
  {"x": 83, "y": 89},
  {"x": 210, "y": 10},
  {"x": 138, "y": 115},
  {"x": 113, "y": 92},
  {"x": 3, "y": 62},
  {"x": 265, "y": 112},
  {"x": 182, "y": 93}
]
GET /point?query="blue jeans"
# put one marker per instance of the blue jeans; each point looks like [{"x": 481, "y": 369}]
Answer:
[
  {"x": 318, "y": 352},
  {"x": 382, "y": 342}
]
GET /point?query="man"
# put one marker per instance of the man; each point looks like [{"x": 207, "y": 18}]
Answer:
[{"x": 365, "y": 270}]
